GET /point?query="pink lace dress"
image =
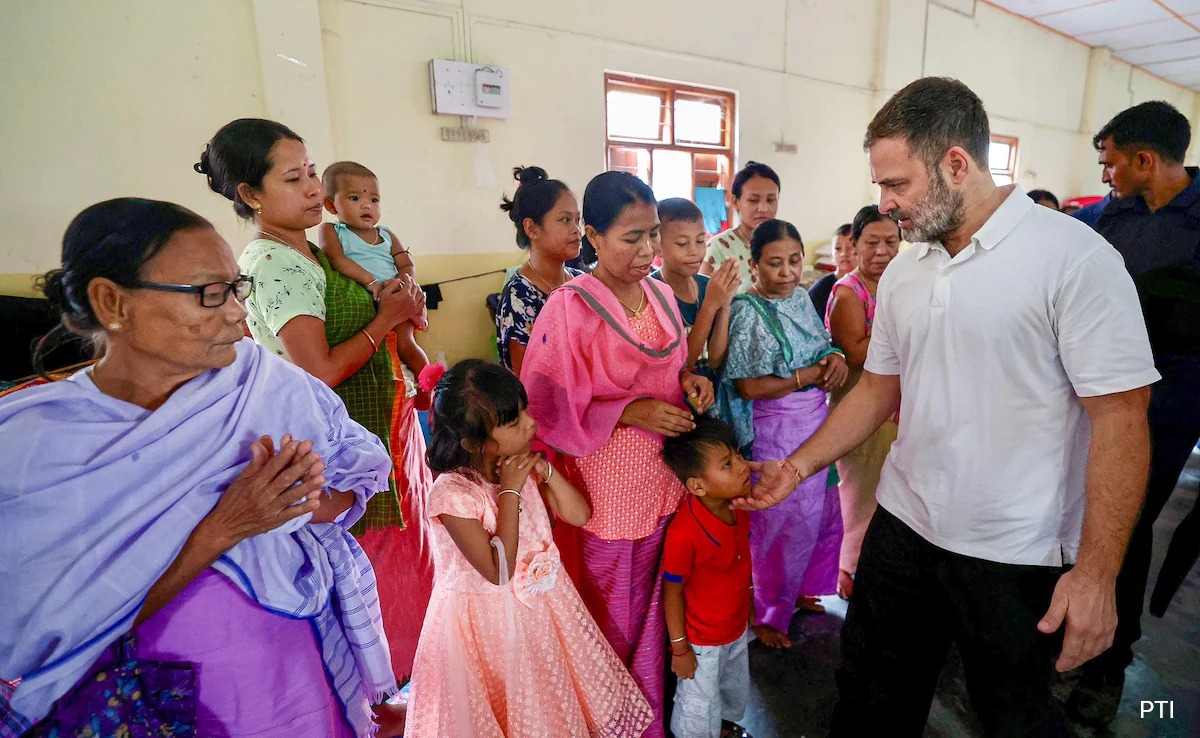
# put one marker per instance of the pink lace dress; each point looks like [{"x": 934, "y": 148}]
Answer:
[{"x": 521, "y": 659}]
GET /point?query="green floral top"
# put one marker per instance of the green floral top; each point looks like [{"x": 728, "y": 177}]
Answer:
[
  {"x": 286, "y": 285},
  {"x": 729, "y": 245}
]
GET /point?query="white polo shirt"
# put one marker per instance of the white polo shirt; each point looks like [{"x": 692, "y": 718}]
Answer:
[{"x": 993, "y": 348}]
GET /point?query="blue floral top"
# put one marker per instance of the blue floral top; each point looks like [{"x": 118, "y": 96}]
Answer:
[
  {"x": 520, "y": 302},
  {"x": 768, "y": 338}
]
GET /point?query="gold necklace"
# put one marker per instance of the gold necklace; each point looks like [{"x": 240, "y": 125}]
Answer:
[
  {"x": 275, "y": 237},
  {"x": 543, "y": 282},
  {"x": 379, "y": 239},
  {"x": 694, "y": 289},
  {"x": 641, "y": 305}
]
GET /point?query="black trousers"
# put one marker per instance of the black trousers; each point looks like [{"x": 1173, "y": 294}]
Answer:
[
  {"x": 1182, "y": 554},
  {"x": 911, "y": 600}
]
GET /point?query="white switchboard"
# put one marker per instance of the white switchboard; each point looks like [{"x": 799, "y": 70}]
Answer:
[{"x": 459, "y": 88}]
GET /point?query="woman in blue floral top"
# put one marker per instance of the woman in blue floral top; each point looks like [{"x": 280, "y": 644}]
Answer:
[
  {"x": 781, "y": 362},
  {"x": 546, "y": 216}
]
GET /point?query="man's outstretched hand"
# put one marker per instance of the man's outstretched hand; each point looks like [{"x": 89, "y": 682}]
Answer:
[{"x": 775, "y": 482}]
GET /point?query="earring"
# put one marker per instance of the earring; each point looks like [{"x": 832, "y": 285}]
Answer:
[
  {"x": 114, "y": 326},
  {"x": 258, "y": 208}
]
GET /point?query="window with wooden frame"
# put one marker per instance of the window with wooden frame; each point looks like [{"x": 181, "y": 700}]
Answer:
[
  {"x": 677, "y": 138},
  {"x": 1002, "y": 159}
]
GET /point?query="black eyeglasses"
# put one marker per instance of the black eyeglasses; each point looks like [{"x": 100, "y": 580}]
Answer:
[{"x": 212, "y": 295}]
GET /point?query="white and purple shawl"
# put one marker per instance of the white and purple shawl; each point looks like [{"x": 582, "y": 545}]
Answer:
[{"x": 98, "y": 496}]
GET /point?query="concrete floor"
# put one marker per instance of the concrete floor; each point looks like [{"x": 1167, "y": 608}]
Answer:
[{"x": 793, "y": 691}]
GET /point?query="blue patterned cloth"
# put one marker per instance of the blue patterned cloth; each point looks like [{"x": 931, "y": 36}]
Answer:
[
  {"x": 768, "y": 338},
  {"x": 520, "y": 302}
]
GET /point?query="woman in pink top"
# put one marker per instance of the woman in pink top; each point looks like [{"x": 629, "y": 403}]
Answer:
[
  {"x": 849, "y": 317},
  {"x": 606, "y": 370}
]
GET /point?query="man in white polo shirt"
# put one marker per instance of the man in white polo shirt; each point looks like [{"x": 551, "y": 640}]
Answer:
[{"x": 1013, "y": 334}]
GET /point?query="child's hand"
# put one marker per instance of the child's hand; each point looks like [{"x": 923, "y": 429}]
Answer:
[
  {"x": 543, "y": 468},
  {"x": 699, "y": 391},
  {"x": 684, "y": 665},
  {"x": 376, "y": 289},
  {"x": 514, "y": 470},
  {"x": 421, "y": 322},
  {"x": 723, "y": 284}
]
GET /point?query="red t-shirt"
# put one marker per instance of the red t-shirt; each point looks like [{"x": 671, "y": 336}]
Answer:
[{"x": 711, "y": 558}]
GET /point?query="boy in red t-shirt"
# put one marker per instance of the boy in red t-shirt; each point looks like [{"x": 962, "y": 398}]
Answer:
[{"x": 707, "y": 589}]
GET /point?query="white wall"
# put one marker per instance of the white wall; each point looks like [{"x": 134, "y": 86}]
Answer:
[
  {"x": 557, "y": 54},
  {"x": 117, "y": 98},
  {"x": 103, "y": 100}
]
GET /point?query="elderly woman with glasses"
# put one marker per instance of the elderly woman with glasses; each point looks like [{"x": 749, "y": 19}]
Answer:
[{"x": 191, "y": 491}]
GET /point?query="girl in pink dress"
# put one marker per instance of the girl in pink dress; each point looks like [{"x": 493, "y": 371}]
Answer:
[{"x": 505, "y": 655}]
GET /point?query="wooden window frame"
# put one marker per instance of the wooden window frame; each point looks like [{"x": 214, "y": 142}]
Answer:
[
  {"x": 670, "y": 93},
  {"x": 1010, "y": 168}
]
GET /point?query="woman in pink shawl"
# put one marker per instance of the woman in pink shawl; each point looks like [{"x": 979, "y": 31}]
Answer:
[
  {"x": 848, "y": 317},
  {"x": 606, "y": 371}
]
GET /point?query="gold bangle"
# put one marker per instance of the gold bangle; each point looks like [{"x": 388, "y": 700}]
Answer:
[
  {"x": 374, "y": 346},
  {"x": 680, "y": 639},
  {"x": 796, "y": 376}
]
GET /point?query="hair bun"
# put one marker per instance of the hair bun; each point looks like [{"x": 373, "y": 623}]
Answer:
[
  {"x": 203, "y": 166},
  {"x": 529, "y": 175},
  {"x": 54, "y": 286}
]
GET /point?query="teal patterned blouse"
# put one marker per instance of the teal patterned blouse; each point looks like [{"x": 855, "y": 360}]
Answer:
[{"x": 768, "y": 337}]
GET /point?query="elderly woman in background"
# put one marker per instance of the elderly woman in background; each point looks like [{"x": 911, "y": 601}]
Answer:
[
  {"x": 845, "y": 259},
  {"x": 191, "y": 508},
  {"x": 849, "y": 317},
  {"x": 781, "y": 363}
]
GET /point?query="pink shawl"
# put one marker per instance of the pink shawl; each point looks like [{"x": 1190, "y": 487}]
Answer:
[{"x": 584, "y": 363}]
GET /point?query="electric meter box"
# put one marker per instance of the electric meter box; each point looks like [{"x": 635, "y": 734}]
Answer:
[{"x": 491, "y": 89}]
